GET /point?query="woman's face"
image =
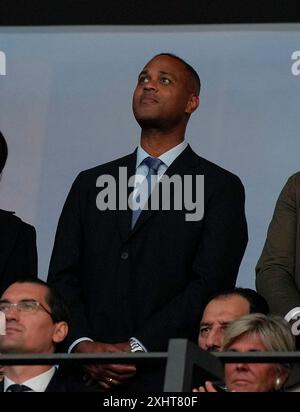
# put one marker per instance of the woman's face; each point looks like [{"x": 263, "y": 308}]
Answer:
[{"x": 251, "y": 377}]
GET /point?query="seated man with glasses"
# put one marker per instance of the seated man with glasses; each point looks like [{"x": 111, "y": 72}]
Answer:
[{"x": 36, "y": 322}]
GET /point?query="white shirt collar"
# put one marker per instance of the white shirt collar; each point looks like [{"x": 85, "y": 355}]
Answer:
[
  {"x": 167, "y": 158},
  {"x": 38, "y": 384}
]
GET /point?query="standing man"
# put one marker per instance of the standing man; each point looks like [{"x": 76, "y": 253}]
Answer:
[{"x": 136, "y": 280}]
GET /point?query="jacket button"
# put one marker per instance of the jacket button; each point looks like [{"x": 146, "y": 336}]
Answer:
[{"x": 124, "y": 255}]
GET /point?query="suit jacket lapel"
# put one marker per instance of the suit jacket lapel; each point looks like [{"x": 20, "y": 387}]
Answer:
[
  {"x": 124, "y": 216},
  {"x": 56, "y": 384},
  {"x": 186, "y": 161}
]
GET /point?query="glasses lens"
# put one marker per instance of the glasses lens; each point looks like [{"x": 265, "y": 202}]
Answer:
[
  {"x": 23, "y": 306},
  {"x": 4, "y": 306},
  {"x": 28, "y": 305}
]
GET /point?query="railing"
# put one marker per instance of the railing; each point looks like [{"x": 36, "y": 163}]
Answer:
[{"x": 187, "y": 366}]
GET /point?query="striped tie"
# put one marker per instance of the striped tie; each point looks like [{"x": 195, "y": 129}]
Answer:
[{"x": 153, "y": 164}]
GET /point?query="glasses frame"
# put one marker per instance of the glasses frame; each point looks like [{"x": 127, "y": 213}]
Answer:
[{"x": 19, "y": 308}]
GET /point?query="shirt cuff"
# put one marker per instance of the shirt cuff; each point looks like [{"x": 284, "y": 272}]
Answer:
[
  {"x": 293, "y": 312},
  {"x": 72, "y": 346},
  {"x": 136, "y": 345}
]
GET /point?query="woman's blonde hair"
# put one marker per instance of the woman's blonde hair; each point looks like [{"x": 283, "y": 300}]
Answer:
[{"x": 274, "y": 332}]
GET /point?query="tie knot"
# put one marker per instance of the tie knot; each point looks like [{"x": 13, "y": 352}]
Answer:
[
  {"x": 152, "y": 163},
  {"x": 18, "y": 388}
]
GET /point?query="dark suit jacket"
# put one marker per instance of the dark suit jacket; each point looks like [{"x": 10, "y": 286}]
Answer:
[
  {"x": 151, "y": 282},
  {"x": 18, "y": 253},
  {"x": 65, "y": 381}
]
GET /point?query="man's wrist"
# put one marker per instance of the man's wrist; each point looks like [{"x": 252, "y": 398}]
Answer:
[
  {"x": 83, "y": 346},
  {"x": 76, "y": 342}
]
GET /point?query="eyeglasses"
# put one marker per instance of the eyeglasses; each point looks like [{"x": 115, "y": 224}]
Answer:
[{"x": 26, "y": 305}]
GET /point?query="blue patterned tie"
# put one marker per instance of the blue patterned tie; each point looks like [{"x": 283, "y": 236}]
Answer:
[
  {"x": 153, "y": 164},
  {"x": 18, "y": 388}
]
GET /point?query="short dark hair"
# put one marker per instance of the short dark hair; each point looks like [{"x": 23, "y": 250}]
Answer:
[
  {"x": 59, "y": 310},
  {"x": 257, "y": 303},
  {"x": 3, "y": 152},
  {"x": 194, "y": 75}
]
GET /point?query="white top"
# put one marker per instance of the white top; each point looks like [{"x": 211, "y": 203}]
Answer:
[{"x": 38, "y": 384}]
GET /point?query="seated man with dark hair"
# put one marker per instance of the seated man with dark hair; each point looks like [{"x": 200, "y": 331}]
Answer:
[
  {"x": 36, "y": 322},
  {"x": 223, "y": 308},
  {"x": 18, "y": 253}
]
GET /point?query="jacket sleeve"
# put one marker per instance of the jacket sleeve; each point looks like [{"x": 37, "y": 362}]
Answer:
[
  {"x": 19, "y": 256},
  {"x": 26, "y": 242},
  {"x": 64, "y": 270},
  {"x": 275, "y": 270}
]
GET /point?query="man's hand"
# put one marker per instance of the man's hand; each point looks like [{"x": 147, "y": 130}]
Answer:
[
  {"x": 107, "y": 375},
  {"x": 208, "y": 387}
]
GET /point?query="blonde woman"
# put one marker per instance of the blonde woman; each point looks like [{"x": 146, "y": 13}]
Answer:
[{"x": 255, "y": 333}]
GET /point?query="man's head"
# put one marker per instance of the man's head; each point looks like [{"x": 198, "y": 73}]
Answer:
[
  {"x": 166, "y": 94},
  {"x": 3, "y": 152},
  {"x": 36, "y": 318},
  {"x": 224, "y": 308}
]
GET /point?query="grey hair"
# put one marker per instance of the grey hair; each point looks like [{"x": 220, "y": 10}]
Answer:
[{"x": 274, "y": 332}]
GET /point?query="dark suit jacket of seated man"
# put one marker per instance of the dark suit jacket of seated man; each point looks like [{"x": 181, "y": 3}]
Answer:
[{"x": 142, "y": 285}]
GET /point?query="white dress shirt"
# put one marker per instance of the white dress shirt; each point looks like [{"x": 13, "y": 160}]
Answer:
[{"x": 37, "y": 384}]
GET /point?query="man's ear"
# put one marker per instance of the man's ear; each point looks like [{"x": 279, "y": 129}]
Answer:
[
  {"x": 60, "y": 332},
  {"x": 192, "y": 104}
]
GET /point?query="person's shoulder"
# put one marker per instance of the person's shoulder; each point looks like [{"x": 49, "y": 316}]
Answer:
[
  {"x": 291, "y": 188},
  {"x": 9, "y": 218},
  {"x": 107, "y": 168},
  {"x": 216, "y": 171},
  {"x": 7, "y": 214},
  {"x": 294, "y": 179}
]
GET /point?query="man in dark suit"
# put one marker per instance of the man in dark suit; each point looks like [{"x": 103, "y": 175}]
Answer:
[
  {"x": 36, "y": 322},
  {"x": 136, "y": 280},
  {"x": 18, "y": 254}
]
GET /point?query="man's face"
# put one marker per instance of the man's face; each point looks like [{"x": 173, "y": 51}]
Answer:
[
  {"x": 251, "y": 377},
  {"x": 216, "y": 316},
  {"x": 164, "y": 95},
  {"x": 27, "y": 332}
]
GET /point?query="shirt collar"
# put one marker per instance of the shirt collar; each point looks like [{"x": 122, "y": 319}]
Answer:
[
  {"x": 38, "y": 384},
  {"x": 167, "y": 158}
]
